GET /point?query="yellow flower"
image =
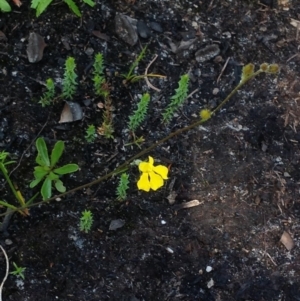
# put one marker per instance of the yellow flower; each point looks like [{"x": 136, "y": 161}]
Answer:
[
  {"x": 152, "y": 176},
  {"x": 205, "y": 114}
]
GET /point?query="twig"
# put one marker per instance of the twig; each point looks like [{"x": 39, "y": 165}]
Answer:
[
  {"x": 29, "y": 146},
  {"x": 6, "y": 272},
  {"x": 146, "y": 73},
  {"x": 223, "y": 69}
]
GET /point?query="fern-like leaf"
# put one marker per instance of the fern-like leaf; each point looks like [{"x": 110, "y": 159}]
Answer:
[
  {"x": 177, "y": 99},
  {"x": 73, "y": 7},
  {"x": 140, "y": 113}
]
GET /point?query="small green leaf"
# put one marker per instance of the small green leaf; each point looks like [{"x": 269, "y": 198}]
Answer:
[
  {"x": 42, "y": 152},
  {"x": 68, "y": 168},
  {"x": 42, "y": 5},
  {"x": 46, "y": 188},
  {"x": 35, "y": 182},
  {"x": 53, "y": 176},
  {"x": 4, "y": 6},
  {"x": 60, "y": 186},
  {"x": 57, "y": 152},
  {"x": 72, "y": 5},
  {"x": 89, "y": 2},
  {"x": 39, "y": 173}
]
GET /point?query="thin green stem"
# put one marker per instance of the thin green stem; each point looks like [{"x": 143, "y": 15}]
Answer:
[
  {"x": 6, "y": 176},
  {"x": 145, "y": 151}
]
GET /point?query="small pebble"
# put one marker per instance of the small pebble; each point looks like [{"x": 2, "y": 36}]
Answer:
[
  {"x": 156, "y": 27},
  {"x": 143, "y": 30},
  {"x": 8, "y": 242},
  {"x": 163, "y": 222},
  {"x": 208, "y": 269}
]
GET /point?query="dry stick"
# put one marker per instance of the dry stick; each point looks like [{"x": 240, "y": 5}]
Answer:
[
  {"x": 146, "y": 73},
  {"x": 223, "y": 69},
  {"x": 6, "y": 272},
  {"x": 145, "y": 151}
]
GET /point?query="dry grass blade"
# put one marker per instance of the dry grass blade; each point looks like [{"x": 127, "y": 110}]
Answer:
[{"x": 6, "y": 272}]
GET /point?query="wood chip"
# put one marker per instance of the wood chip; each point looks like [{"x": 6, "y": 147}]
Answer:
[
  {"x": 287, "y": 240},
  {"x": 189, "y": 204}
]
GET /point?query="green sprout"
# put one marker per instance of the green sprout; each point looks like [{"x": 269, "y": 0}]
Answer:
[
  {"x": 100, "y": 86},
  {"x": 47, "y": 171},
  {"x": 41, "y": 5},
  {"x": 90, "y": 134},
  {"x": 69, "y": 82},
  {"x": 86, "y": 221},
  {"x": 19, "y": 271},
  {"x": 48, "y": 96},
  {"x": 177, "y": 99},
  {"x": 123, "y": 187},
  {"x": 140, "y": 113}
]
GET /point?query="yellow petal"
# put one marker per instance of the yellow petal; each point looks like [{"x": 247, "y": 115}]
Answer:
[
  {"x": 162, "y": 171},
  {"x": 151, "y": 161},
  {"x": 145, "y": 167},
  {"x": 143, "y": 183},
  {"x": 156, "y": 180}
]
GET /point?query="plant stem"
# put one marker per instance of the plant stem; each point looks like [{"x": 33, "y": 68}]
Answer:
[
  {"x": 148, "y": 149},
  {"x": 6, "y": 176}
]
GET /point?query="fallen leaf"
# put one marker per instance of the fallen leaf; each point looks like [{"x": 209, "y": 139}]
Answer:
[
  {"x": 287, "y": 240},
  {"x": 100, "y": 35},
  {"x": 17, "y": 2},
  {"x": 35, "y": 48},
  {"x": 3, "y": 36},
  {"x": 71, "y": 112},
  {"x": 116, "y": 224}
]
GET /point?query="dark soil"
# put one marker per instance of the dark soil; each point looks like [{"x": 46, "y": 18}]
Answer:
[{"x": 242, "y": 165}]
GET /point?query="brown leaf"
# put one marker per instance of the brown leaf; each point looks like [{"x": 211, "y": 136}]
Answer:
[
  {"x": 35, "y": 48},
  {"x": 71, "y": 112},
  {"x": 3, "y": 36},
  {"x": 17, "y": 2},
  {"x": 287, "y": 240},
  {"x": 100, "y": 35}
]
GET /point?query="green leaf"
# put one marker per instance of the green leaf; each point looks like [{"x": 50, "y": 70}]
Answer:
[
  {"x": 68, "y": 168},
  {"x": 4, "y": 6},
  {"x": 39, "y": 172},
  {"x": 72, "y": 5},
  {"x": 42, "y": 158},
  {"x": 46, "y": 188},
  {"x": 35, "y": 182},
  {"x": 89, "y": 2},
  {"x": 57, "y": 152},
  {"x": 34, "y": 3},
  {"x": 60, "y": 186},
  {"x": 53, "y": 176},
  {"x": 43, "y": 4}
]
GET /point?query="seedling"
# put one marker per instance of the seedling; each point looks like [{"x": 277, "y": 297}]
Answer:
[
  {"x": 41, "y": 5},
  {"x": 47, "y": 171},
  {"x": 100, "y": 86},
  {"x": 70, "y": 76},
  {"x": 19, "y": 271},
  {"x": 86, "y": 221},
  {"x": 90, "y": 134},
  {"x": 123, "y": 187},
  {"x": 16, "y": 192},
  {"x": 177, "y": 99},
  {"x": 49, "y": 95}
]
